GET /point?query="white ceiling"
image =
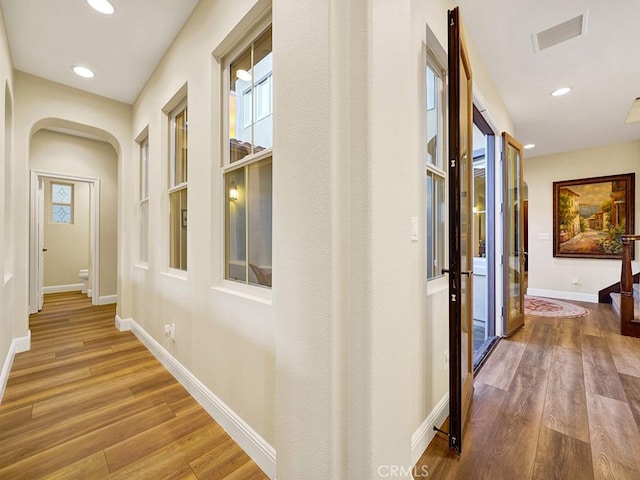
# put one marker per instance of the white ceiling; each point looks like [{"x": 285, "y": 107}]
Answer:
[
  {"x": 602, "y": 67},
  {"x": 47, "y": 37}
]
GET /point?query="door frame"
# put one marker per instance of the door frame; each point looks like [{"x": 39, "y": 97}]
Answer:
[{"x": 36, "y": 234}]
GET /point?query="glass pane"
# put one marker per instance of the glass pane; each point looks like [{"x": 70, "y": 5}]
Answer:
[
  {"x": 61, "y": 213},
  {"x": 259, "y": 195},
  {"x": 144, "y": 169},
  {"x": 433, "y": 116},
  {"x": 435, "y": 224},
  {"x": 251, "y": 99},
  {"x": 180, "y": 148},
  {"x": 61, "y": 193},
  {"x": 144, "y": 231},
  {"x": 513, "y": 240},
  {"x": 178, "y": 229},
  {"x": 235, "y": 226},
  {"x": 240, "y": 107},
  {"x": 480, "y": 287}
]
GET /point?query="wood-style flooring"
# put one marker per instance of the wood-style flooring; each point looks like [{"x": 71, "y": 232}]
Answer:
[
  {"x": 90, "y": 402},
  {"x": 558, "y": 400}
]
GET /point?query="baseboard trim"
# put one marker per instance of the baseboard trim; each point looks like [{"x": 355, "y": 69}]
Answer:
[
  {"x": 576, "y": 296},
  {"x": 72, "y": 287},
  {"x": 107, "y": 299},
  {"x": 18, "y": 345},
  {"x": 249, "y": 440},
  {"x": 424, "y": 434}
]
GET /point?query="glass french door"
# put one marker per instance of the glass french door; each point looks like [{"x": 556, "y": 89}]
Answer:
[
  {"x": 460, "y": 171},
  {"x": 514, "y": 253}
]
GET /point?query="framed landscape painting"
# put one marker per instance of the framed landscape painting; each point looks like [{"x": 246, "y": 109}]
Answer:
[{"x": 591, "y": 214}]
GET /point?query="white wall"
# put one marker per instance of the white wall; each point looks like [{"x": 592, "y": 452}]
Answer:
[
  {"x": 41, "y": 104},
  {"x": 67, "y": 244},
  {"x": 54, "y": 152},
  {"x": 225, "y": 336},
  {"x": 540, "y": 173},
  {"x": 8, "y": 264}
]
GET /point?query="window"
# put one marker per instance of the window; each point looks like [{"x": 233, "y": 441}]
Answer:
[
  {"x": 435, "y": 169},
  {"x": 178, "y": 187},
  {"x": 247, "y": 170},
  {"x": 143, "y": 202},
  {"x": 250, "y": 107},
  {"x": 61, "y": 203}
]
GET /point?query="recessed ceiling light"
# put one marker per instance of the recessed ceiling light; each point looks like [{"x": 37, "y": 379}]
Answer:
[
  {"x": 243, "y": 75},
  {"x": 83, "y": 72},
  {"x": 561, "y": 91},
  {"x": 529, "y": 145},
  {"x": 102, "y": 6}
]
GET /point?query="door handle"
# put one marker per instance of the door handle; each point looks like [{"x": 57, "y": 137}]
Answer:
[
  {"x": 45, "y": 250},
  {"x": 468, "y": 273}
]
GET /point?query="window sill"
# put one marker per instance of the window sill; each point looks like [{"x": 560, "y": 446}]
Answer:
[
  {"x": 142, "y": 266},
  {"x": 249, "y": 292},
  {"x": 437, "y": 285},
  {"x": 175, "y": 273}
]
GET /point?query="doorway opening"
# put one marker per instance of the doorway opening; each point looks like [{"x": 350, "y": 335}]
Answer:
[
  {"x": 38, "y": 250},
  {"x": 484, "y": 324}
]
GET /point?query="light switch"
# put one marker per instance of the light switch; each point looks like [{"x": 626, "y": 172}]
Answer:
[{"x": 414, "y": 229}]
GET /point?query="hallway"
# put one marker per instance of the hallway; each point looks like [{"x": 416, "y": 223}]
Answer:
[
  {"x": 558, "y": 400},
  {"x": 88, "y": 401}
]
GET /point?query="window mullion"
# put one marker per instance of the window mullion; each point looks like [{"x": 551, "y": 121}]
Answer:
[
  {"x": 246, "y": 223},
  {"x": 253, "y": 97}
]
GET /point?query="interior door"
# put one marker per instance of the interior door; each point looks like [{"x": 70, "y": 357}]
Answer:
[
  {"x": 514, "y": 252},
  {"x": 40, "y": 243},
  {"x": 460, "y": 170}
]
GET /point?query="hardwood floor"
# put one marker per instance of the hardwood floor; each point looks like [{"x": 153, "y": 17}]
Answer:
[
  {"x": 558, "y": 400},
  {"x": 88, "y": 401}
]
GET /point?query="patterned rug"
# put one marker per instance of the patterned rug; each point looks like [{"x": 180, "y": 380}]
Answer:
[{"x": 547, "y": 307}]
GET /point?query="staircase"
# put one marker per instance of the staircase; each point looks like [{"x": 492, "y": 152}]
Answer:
[
  {"x": 615, "y": 301},
  {"x": 626, "y": 302}
]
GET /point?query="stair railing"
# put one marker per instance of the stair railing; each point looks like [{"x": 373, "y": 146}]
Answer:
[{"x": 627, "y": 324}]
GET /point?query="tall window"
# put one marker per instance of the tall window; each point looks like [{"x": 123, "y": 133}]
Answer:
[
  {"x": 247, "y": 169},
  {"x": 61, "y": 203},
  {"x": 178, "y": 187},
  {"x": 144, "y": 200},
  {"x": 435, "y": 169}
]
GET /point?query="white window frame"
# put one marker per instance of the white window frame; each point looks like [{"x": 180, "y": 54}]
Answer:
[
  {"x": 143, "y": 194},
  {"x": 439, "y": 169},
  {"x": 263, "y": 292}
]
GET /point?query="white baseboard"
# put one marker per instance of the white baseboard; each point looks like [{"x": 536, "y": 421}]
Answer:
[
  {"x": 107, "y": 299},
  {"x": 89, "y": 293},
  {"x": 424, "y": 434},
  {"x": 18, "y": 345},
  {"x": 576, "y": 296},
  {"x": 73, "y": 287},
  {"x": 249, "y": 440}
]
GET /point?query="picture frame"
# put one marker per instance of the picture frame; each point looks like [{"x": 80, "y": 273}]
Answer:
[
  {"x": 184, "y": 217},
  {"x": 591, "y": 214}
]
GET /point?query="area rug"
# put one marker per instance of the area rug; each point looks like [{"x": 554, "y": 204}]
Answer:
[{"x": 547, "y": 307}]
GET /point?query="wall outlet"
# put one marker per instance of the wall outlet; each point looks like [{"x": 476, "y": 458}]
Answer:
[
  {"x": 170, "y": 331},
  {"x": 446, "y": 359},
  {"x": 575, "y": 280}
]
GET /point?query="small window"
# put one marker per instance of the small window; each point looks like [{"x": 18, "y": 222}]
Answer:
[
  {"x": 143, "y": 202},
  {"x": 436, "y": 177},
  {"x": 248, "y": 185},
  {"x": 61, "y": 203},
  {"x": 178, "y": 188}
]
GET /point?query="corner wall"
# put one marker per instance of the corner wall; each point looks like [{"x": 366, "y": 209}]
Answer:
[{"x": 551, "y": 276}]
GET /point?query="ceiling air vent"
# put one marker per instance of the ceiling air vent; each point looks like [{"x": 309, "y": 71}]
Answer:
[{"x": 562, "y": 32}]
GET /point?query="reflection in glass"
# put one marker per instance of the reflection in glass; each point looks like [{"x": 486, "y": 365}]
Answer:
[
  {"x": 435, "y": 224},
  {"x": 251, "y": 99},
  {"x": 178, "y": 229},
  {"x": 433, "y": 116},
  {"x": 513, "y": 239},
  {"x": 236, "y": 226}
]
